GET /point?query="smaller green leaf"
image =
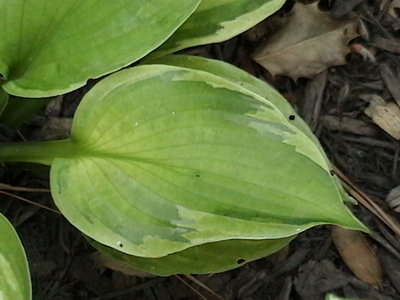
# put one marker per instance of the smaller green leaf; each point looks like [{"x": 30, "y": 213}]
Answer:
[
  {"x": 48, "y": 48},
  {"x": 206, "y": 258},
  {"x": 217, "y": 21},
  {"x": 3, "y": 100},
  {"x": 15, "y": 281},
  {"x": 165, "y": 158}
]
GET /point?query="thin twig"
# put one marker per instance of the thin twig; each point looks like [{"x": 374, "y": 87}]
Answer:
[
  {"x": 125, "y": 292},
  {"x": 201, "y": 284},
  {"x": 192, "y": 288},
  {"x": 368, "y": 202},
  {"x": 30, "y": 202},
  {"x": 8, "y": 187}
]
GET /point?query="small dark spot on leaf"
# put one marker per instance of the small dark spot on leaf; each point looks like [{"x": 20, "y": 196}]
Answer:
[
  {"x": 292, "y": 117},
  {"x": 240, "y": 261},
  {"x": 197, "y": 175},
  {"x": 120, "y": 244},
  {"x": 332, "y": 172}
]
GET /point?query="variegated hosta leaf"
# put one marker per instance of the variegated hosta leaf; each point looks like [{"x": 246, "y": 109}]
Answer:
[
  {"x": 15, "y": 281},
  {"x": 242, "y": 78},
  {"x": 52, "y": 47},
  {"x": 217, "y": 21},
  {"x": 239, "y": 77},
  {"x": 164, "y": 158},
  {"x": 206, "y": 258}
]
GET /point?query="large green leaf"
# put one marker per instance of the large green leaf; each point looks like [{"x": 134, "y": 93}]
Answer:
[
  {"x": 15, "y": 281},
  {"x": 165, "y": 158},
  {"x": 52, "y": 47},
  {"x": 217, "y": 21},
  {"x": 205, "y": 258}
]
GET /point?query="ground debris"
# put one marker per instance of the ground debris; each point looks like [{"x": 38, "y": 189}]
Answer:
[
  {"x": 317, "y": 278},
  {"x": 308, "y": 43},
  {"x": 385, "y": 114},
  {"x": 393, "y": 199}
]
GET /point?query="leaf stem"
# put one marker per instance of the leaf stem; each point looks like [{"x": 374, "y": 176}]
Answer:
[{"x": 36, "y": 152}]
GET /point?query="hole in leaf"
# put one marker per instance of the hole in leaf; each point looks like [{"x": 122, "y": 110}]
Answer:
[
  {"x": 240, "y": 261},
  {"x": 292, "y": 117}
]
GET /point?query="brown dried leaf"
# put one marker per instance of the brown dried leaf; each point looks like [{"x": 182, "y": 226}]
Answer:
[
  {"x": 384, "y": 114},
  {"x": 395, "y": 4},
  {"x": 357, "y": 255},
  {"x": 310, "y": 42}
]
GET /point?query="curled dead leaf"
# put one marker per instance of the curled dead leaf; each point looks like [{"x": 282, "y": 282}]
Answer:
[
  {"x": 365, "y": 53},
  {"x": 384, "y": 114},
  {"x": 310, "y": 42},
  {"x": 357, "y": 255},
  {"x": 393, "y": 6},
  {"x": 393, "y": 199}
]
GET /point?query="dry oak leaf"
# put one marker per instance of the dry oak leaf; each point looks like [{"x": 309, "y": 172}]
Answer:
[
  {"x": 308, "y": 43},
  {"x": 384, "y": 114}
]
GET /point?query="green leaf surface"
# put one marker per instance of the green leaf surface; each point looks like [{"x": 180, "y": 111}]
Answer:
[
  {"x": 239, "y": 77},
  {"x": 205, "y": 258},
  {"x": 217, "y": 21},
  {"x": 52, "y": 47},
  {"x": 3, "y": 100},
  {"x": 164, "y": 158},
  {"x": 245, "y": 80},
  {"x": 15, "y": 281}
]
